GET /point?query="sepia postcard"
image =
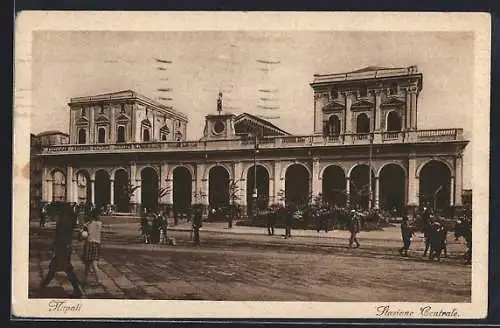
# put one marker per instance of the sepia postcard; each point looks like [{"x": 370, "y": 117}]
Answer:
[{"x": 274, "y": 165}]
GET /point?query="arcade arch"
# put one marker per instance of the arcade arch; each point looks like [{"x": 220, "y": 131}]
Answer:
[
  {"x": 333, "y": 186},
  {"x": 260, "y": 176}
]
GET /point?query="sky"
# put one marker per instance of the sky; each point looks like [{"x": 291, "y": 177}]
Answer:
[{"x": 72, "y": 64}]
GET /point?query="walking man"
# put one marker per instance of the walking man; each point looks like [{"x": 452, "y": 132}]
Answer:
[
  {"x": 406, "y": 233},
  {"x": 62, "y": 247},
  {"x": 271, "y": 220},
  {"x": 43, "y": 216},
  {"x": 287, "y": 215},
  {"x": 197, "y": 224},
  {"x": 427, "y": 228},
  {"x": 354, "y": 229}
]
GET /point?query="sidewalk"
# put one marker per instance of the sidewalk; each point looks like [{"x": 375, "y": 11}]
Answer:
[{"x": 388, "y": 233}]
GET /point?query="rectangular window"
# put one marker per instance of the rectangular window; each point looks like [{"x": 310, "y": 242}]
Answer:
[
  {"x": 101, "y": 135},
  {"x": 394, "y": 89},
  {"x": 363, "y": 92}
]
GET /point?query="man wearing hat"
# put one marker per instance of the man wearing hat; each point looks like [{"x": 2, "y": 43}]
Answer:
[
  {"x": 62, "y": 247},
  {"x": 354, "y": 229},
  {"x": 406, "y": 234}
]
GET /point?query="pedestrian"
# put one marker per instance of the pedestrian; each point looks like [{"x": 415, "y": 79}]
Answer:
[
  {"x": 62, "y": 248},
  {"x": 406, "y": 233},
  {"x": 354, "y": 228},
  {"x": 426, "y": 228},
  {"x": 286, "y": 216},
  {"x": 92, "y": 245},
  {"x": 43, "y": 216},
  {"x": 230, "y": 211},
  {"x": 163, "y": 228},
  {"x": 271, "y": 220},
  {"x": 145, "y": 229},
  {"x": 197, "y": 224}
]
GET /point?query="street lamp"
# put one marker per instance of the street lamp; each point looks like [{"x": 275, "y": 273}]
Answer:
[{"x": 370, "y": 193}]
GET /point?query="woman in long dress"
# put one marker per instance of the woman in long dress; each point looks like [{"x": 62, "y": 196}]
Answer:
[{"x": 92, "y": 246}]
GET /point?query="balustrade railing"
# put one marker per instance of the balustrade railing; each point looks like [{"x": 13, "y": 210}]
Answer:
[{"x": 269, "y": 141}]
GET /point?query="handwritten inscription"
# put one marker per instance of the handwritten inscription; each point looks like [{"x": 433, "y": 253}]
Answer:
[
  {"x": 424, "y": 311},
  {"x": 64, "y": 306}
]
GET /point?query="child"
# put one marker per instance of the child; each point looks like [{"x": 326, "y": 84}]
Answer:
[{"x": 406, "y": 233}]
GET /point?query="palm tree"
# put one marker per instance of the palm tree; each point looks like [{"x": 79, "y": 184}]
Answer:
[
  {"x": 234, "y": 195},
  {"x": 129, "y": 191}
]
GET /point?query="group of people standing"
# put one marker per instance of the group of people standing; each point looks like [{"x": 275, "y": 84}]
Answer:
[
  {"x": 289, "y": 214},
  {"x": 89, "y": 231},
  {"x": 154, "y": 227},
  {"x": 435, "y": 234}
]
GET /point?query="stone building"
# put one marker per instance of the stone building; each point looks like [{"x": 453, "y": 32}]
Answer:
[
  {"x": 366, "y": 150},
  {"x": 37, "y": 142}
]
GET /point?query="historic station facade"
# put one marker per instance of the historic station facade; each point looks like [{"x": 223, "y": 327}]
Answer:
[{"x": 366, "y": 150}]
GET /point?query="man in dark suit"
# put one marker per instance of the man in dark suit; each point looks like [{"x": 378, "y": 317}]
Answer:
[
  {"x": 197, "y": 223},
  {"x": 62, "y": 247}
]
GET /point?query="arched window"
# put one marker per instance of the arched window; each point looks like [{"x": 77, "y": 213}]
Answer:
[
  {"x": 178, "y": 136},
  {"x": 334, "y": 125},
  {"x": 82, "y": 136},
  {"x": 362, "y": 123},
  {"x": 393, "y": 122},
  {"x": 101, "y": 138},
  {"x": 120, "y": 135},
  {"x": 145, "y": 135},
  {"x": 164, "y": 132}
]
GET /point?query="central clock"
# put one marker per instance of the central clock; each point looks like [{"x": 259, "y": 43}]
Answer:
[{"x": 219, "y": 126}]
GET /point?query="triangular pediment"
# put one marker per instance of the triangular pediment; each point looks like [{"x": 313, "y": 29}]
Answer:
[
  {"x": 165, "y": 129},
  {"x": 362, "y": 105},
  {"x": 393, "y": 102},
  {"x": 333, "y": 107},
  {"x": 82, "y": 121},
  {"x": 122, "y": 118},
  {"x": 246, "y": 123},
  {"x": 102, "y": 120},
  {"x": 146, "y": 122}
]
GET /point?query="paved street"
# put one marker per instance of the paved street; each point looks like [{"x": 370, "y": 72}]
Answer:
[{"x": 246, "y": 264}]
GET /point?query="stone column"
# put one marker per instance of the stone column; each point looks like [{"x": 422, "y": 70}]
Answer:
[
  {"x": 413, "y": 107},
  {"x": 91, "y": 139},
  {"x": 112, "y": 191},
  {"x": 452, "y": 191},
  {"x": 315, "y": 181},
  {"x": 69, "y": 182},
  {"x": 92, "y": 191},
  {"x": 413, "y": 185},
  {"x": 112, "y": 128},
  {"x": 48, "y": 188},
  {"x": 348, "y": 114},
  {"x": 278, "y": 183},
  {"x": 137, "y": 194},
  {"x": 319, "y": 102},
  {"x": 378, "y": 111},
  {"x": 131, "y": 179},
  {"x": 377, "y": 193},
  {"x": 272, "y": 198},
  {"x": 348, "y": 191},
  {"x": 458, "y": 181},
  {"x": 170, "y": 187}
]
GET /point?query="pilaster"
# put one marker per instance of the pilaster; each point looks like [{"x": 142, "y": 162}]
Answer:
[
  {"x": 70, "y": 185},
  {"x": 413, "y": 183},
  {"x": 315, "y": 181}
]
